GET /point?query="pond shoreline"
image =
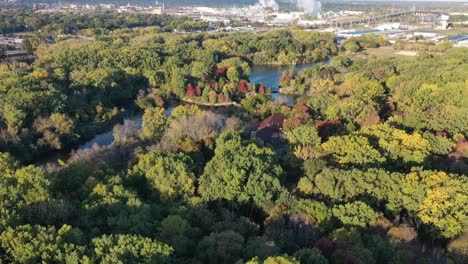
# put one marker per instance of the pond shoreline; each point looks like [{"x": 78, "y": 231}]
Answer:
[
  {"x": 209, "y": 104},
  {"x": 284, "y": 91},
  {"x": 267, "y": 74}
]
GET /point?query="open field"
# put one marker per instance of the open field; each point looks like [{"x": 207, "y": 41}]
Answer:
[
  {"x": 454, "y": 31},
  {"x": 387, "y": 52}
]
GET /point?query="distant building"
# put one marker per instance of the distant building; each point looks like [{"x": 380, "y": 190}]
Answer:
[
  {"x": 212, "y": 19},
  {"x": 463, "y": 43},
  {"x": 285, "y": 18},
  {"x": 156, "y": 11},
  {"x": 357, "y": 33},
  {"x": 11, "y": 43},
  {"x": 388, "y": 26},
  {"x": 458, "y": 38},
  {"x": 107, "y": 6},
  {"x": 270, "y": 131},
  {"x": 306, "y": 23},
  {"x": 425, "y": 33}
]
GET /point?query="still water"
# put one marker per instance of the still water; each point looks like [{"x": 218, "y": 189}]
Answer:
[
  {"x": 107, "y": 138},
  {"x": 270, "y": 75}
]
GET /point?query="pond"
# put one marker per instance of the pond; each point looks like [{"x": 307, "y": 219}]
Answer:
[
  {"x": 107, "y": 138},
  {"x": 268, "y": 75}
]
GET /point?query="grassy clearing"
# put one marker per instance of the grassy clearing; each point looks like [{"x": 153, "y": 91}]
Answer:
[
  {"x": 454, "y": 31},
  {"x": 387, "y": 52}
]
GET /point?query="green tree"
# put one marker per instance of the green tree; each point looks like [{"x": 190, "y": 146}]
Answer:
[
  {"x": 260, "y": 247},
  {"x": 438, "y": 144},
  {"x": 310, "y": 256},
  {"x": 444, "y": 206},
  {"x": 176, "y": 231},
  {"x": 71, "y": 179},
  {"x": 346, "y": 185},
  {"x": 200, "y": 70},
  {"x": 111, "y": 207},
  {"x": 173, "y": 227},
  {"x": 435, "y": 199},
  {"x": 354, "y": 248},
  {"x": 398, "y": 144},
  {"x": 257, "y": 105},
  {"x": 8, "y": 164},
  {"x": 24, "y": 186},
  {"x": 240, "y": 172},
  {"x": 341, "y": 61},
  {"x": 38, "y": 244},
  {"x": 20, "y": 188},
  {"x": 129, "y": 249},
  {"x": 223, "y": 247},
  {"x": 281, "y": 260},
  {"x": 177, "y": 81},
  {"x": 233, "y": 74},
  {"x": 240, "y": 64},
  {"x": 27, "y": 46},
  {"x": 2, "y": 52},
  {"x": 62, "y": 123},
  {"x": 314, "y": 209},
  {"x": 14, "y": 117},
  {"x": 352, "y": 149},
  {"x": 167, "y": 173},
  {"x": 305, "y": 141},
  {"x": 154, "y": 122},
  {"x": 356, "y": 214},
  {"x": 351, "y": 45},
  {"x": 458, "y": 248},
  {"x": 186, "y": 111},
  {"x": 304, "y": 135}
]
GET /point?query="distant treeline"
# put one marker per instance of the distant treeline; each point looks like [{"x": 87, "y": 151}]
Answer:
[
  {"x": 149, "y": 2},
  {"x": 14, "y": 21}
]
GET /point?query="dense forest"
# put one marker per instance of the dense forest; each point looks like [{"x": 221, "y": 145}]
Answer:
[
  {"x": 171, "y": 3},
  {"x": 78, "y": 87},
  {"x": 372, "y": 167},
  {"x": 26, "y": 20}
]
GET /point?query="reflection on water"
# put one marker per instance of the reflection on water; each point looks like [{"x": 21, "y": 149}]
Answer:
[
  {"x": 270, "y": 75},
  {"x": 107, "y": 138},
  {"x": 283, "y": 99}
]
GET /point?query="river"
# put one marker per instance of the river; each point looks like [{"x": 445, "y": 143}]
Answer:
[{"x": 268, "y": 75}]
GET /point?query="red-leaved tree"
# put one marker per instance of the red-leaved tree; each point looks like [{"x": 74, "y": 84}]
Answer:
[
  {"x": 261, "y": 89},
  {"x": 221, "y": 72},
  {"x": 221, "y": 98},
  {"x": 243, "y": 87},
  {"x": 329, "y": 128},
  {"x": 198, "y": 91},
  {"x": 190, "y": 91}
]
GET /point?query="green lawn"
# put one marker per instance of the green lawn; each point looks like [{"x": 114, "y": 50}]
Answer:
[{"x": 386, "y": 52}]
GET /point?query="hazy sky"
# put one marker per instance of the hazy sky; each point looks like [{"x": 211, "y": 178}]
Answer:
[{"x": 399, "y": 1}]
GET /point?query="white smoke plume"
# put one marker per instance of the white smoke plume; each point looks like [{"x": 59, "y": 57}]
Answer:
[
  {"x": 269, "y": 4},
  {"x": 309, "y": 6}
]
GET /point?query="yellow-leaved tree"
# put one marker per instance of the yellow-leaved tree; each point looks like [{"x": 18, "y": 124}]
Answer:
[{"x": 445, "y": 205}]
